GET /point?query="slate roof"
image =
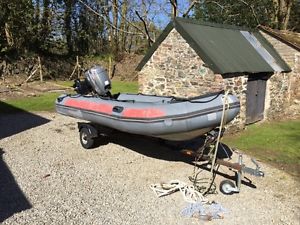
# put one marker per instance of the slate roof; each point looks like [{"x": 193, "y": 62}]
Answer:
[{"x": 224, "y": 48}]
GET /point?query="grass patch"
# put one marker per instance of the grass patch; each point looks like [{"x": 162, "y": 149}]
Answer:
[
  {"x": 124, "y": 87},
  {"x": 65, "y": 83},
  {"x": 45, "y": 102},
  {"x": 117, "y": 86},
  {"x": 277, "y": 143}
]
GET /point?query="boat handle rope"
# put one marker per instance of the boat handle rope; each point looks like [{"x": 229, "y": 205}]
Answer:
[{"x": 193, "y": 100}]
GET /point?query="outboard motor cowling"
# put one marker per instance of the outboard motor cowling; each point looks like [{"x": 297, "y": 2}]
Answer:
[{"x": 99, "y": 80}]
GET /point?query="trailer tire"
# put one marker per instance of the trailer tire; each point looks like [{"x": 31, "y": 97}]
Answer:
[
  {"x": 86, "y": 140},
  {"x": 226, "y": 187}
]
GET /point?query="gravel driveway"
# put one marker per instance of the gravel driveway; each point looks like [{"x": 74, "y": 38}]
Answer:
[{"x": 46, "y": 177}]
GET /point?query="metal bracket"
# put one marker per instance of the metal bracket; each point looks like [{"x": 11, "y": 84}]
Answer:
[
  {"x": 239, "y": 174},
  {"x": 255, "y": 172}
]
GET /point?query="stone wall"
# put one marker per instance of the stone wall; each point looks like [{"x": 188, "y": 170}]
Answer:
[
  {"x": 175, "y": 69},
  {"x": 277, "y": 95},
  {"x": 283, "y": 89},
  {"x": 238, "y": 86}
]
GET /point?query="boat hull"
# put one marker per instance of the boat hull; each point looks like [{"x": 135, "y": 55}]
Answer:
[{"x": 161, "y": 117}]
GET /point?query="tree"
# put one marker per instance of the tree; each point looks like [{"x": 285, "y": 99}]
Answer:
[
  {"x": 294, "y": 22},
  {"x": 250, "y": 13},
  {"x": 89, "y": 29},
  {"x": 15, "y": 25},
  {"x": 67, "y": 24},
  {"x": 124, "y": 25},
  {"x": 46, "y": 20},
  {"x": 282, "y": 13},
  {"x": 174, "y": 4},
  {"x": 115, "y": 22}
]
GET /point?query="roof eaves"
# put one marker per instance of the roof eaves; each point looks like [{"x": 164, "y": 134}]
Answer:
[
  {"x": 210, "y": 24},
  {"x": 189, "y": 39},
  {"x": 155, "y": 45},
  {"x": 269, "y": 48}
]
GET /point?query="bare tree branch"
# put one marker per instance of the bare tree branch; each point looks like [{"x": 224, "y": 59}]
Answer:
[
  {"x": 234, "y": 15},
  {"x": 191, "y": 6},
  {"x": 107, "y": 21},
  {"x": 252, "y": 10},
  {"x": 216, "y": 3},
  {"x": 132, "y": 24},
  {"x": 174, "y": 5},
  {"x": 150, "y": 41}
]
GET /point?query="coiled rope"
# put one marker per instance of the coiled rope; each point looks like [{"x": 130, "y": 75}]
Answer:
[{"x": 188, "y": 192}]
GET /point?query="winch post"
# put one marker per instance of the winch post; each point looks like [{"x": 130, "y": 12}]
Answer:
[{"x": 239, "y": 174}]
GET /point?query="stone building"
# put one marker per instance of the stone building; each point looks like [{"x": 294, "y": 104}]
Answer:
[
  {"x": 191, "y": 58},
  {"x": 283, "y": 87}
]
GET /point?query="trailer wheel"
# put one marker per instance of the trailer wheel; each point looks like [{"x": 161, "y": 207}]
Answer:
[
  {"x": 85, "y": 138},
  {"x": 227, "y": 187}
]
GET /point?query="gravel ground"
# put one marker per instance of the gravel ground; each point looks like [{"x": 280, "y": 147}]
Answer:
[{"x": 46, "y": 177}]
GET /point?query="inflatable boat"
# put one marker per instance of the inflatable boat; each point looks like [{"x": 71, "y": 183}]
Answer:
[{"x": 164, "y": 117}]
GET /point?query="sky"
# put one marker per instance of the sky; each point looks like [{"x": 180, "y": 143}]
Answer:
[{"x": 161, "y": 11}]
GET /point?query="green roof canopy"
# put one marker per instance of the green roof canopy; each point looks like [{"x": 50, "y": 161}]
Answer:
[{"x": 224, "y": 48}]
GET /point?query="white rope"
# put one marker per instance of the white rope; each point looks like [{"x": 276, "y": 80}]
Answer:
[
  {"x": 188, "y": 192},
  {"x": 213, "y": 152},
  {"x": 224, "y": 111}
]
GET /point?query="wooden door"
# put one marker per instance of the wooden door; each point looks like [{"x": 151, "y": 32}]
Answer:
[{"x": 256, "y": 92}]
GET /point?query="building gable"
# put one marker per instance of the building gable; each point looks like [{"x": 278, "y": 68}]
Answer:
[
  {"x": 174, "y": 60},
  {"x": 225, "y": 49}
]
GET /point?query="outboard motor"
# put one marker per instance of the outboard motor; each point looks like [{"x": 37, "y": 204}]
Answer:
[{"x": 96, "y": 80}]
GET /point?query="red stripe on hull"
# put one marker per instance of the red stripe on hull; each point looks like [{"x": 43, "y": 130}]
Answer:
[
  {"x": 87, "y": 105},
  {"x": 107, "y": 109},
  {"x": 143, "y": 113}
]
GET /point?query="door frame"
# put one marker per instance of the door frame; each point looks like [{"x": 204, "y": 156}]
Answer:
[{"x": 255, "y": 97}]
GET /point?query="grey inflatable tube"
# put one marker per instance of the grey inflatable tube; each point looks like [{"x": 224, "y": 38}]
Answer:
[{"x": 158, "y": 116}]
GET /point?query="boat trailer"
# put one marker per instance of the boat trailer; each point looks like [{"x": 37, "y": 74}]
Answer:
[
  {"x": 90, "y": 133},
  {"x": 205, "y": 154}
]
